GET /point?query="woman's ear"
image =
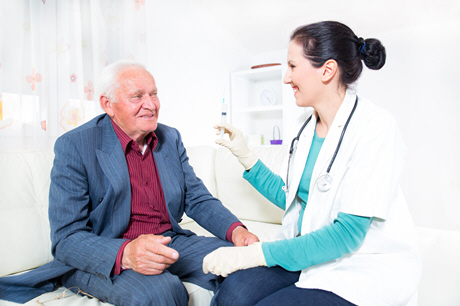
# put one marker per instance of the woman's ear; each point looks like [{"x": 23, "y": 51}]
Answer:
[{"x": 330, "y": 69}]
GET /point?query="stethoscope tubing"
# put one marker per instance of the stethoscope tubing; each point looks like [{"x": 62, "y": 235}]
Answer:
[
  {"x": 341, "y": 136},
  {"x": 292, "y": 148}
]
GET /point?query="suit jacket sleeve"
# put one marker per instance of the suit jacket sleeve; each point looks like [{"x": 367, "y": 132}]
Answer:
[
  {"x": 181, "y": 185},
  {"x": 81, "y": 227}
]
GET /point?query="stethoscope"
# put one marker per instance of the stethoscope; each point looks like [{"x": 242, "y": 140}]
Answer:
[{"x": 324, "y": 181}]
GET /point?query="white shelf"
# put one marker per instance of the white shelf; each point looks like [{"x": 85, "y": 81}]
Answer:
[
  {"x": 260, "y": 74},
  {"x": 247, "y": 112},
  {"x": 259, "y": 109}
]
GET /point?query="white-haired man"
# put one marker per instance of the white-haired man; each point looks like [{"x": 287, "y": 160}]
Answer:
[{"x": 120, "y": 185}]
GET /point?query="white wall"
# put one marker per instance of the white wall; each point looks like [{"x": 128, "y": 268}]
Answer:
[
  {"x": 191, "y": 58},
  {"x": 420, "y": 85}
]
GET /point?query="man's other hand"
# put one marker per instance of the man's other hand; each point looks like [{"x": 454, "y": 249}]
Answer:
[
  {"x": 149, "y": 255},
  {"x": 242, "y": 237}
]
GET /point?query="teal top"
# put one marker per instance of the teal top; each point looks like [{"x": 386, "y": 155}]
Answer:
[
  {"x": 304, "y": 186},
  {"x": 343, "y": 236}
]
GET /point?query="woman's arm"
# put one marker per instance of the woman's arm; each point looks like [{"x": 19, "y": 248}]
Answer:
[
  {"x": 341, "y": 237},
  {"x": 267, "y": 183}
]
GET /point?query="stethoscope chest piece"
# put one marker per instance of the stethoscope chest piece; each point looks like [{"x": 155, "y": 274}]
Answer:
[{"x": 324, "y": 182}]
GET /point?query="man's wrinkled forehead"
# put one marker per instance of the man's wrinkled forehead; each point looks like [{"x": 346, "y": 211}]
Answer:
[
  {"x": 132, "y": 73},
  {"x": 130, "y": 77}
]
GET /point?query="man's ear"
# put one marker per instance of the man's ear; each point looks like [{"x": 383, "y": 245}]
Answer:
[
  {"x": 330, "y": 69},
  {"x": 106, "y": 105}
]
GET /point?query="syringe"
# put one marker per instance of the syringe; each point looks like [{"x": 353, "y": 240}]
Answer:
[{"x": 223, "y": 118}]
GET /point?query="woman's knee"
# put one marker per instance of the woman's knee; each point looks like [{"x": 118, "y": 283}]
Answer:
[{"x": 247, "y": 287}]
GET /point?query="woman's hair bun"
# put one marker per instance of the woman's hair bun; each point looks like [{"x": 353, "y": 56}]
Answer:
[
  {"x": 373, "y": 53},
  {"x": 327, "y": 40}
]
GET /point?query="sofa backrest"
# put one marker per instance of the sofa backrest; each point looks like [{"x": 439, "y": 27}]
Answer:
[
  {"x": 24, "y": 226},
  {"x": 201, "y": 158},
  {"x": 237, "y": 194},
  {"x": 24, "y": 189}
]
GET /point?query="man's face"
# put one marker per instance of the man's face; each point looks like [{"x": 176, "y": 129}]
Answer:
[{"x": 137, "y": 107}]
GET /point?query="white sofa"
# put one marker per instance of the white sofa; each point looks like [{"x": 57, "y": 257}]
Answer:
[{"x": 25, "y": 241}]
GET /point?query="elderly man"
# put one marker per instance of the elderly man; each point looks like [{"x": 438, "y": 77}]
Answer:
[{"x": 120, "y": 185}]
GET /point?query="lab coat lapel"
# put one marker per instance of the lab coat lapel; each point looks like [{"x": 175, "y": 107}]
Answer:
[
  {"x": 297, "y": 164},
  {"x": 319, "y": 206},
  {"x": 299, "y": 159},
  {"x": 332, "y": 138}
]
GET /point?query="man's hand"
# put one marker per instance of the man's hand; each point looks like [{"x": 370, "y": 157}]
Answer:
[
  {"x": 242, "y": 237},
  {"x": 149, "y": 255}
]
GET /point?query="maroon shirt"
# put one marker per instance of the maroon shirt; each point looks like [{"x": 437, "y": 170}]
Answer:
[{"x": 148, "y": 208}]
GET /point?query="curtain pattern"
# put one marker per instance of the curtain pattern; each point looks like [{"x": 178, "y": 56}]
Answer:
[{"x": 51, "y": 52}]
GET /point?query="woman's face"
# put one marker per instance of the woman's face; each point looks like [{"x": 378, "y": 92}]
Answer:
[{"x": 304, "y": 79}]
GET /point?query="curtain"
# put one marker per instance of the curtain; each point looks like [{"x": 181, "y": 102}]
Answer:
[{"x": 51, "y": 52}]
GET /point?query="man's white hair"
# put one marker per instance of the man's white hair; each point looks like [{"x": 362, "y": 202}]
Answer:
[{"x": 108, "y": 83}]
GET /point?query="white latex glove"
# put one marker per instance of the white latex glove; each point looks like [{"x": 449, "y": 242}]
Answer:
[
  {"x": 226, "y": 260},
  {"x": 237, "y": 145}
]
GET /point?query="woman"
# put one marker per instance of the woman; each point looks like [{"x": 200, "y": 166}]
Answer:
[{"x": 347, "y": 237}]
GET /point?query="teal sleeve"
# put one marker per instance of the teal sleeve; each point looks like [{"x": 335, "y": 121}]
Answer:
[
  {"x": 343, "y": 236},
  {"x": 267, "y": 183}
]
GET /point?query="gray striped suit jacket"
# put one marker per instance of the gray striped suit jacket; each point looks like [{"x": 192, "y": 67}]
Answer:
[{"x": 90, "y": 204}]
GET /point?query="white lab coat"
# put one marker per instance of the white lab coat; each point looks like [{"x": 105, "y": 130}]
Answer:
[{"x": 386, "y": 268}]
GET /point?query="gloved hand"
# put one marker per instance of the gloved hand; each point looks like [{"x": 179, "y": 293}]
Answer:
[
  {"x": 237, "y": 145},
  {"x": 226, "y": 260}
]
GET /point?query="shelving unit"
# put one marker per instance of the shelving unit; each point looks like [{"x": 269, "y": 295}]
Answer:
[{"x": 249, "y": 115}]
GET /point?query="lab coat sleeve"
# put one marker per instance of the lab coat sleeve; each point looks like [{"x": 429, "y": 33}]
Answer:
[{"x": 374, "y": 169}]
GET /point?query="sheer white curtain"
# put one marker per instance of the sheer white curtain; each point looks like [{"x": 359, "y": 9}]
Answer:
[{"x": 51, "y": 52}]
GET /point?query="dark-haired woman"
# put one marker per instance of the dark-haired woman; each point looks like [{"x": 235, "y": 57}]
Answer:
[{"x": 347, "y": 237}]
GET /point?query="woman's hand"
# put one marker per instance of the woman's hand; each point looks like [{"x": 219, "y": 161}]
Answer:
[
  {"x": 226, "y": 260},
  {"x": 237, "y": 145}
]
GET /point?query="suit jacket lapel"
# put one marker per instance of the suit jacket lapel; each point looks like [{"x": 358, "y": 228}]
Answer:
[
  {"x": 113, "y": 162},
  {"x": 161, "y": 161},
  {"x": 164, "y": 171}
]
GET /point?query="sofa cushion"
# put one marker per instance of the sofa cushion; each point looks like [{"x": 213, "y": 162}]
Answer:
[
  {"x": 237, "y": 194},
  {"x": 441, "y": 272},
  {"x": 197, "y": 297},
  {"x": 24, "y": 187},
  {"x": 265, "y": 231}
]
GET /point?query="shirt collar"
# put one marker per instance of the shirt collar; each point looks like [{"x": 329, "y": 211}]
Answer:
[{"x": 129, "y": 144}]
